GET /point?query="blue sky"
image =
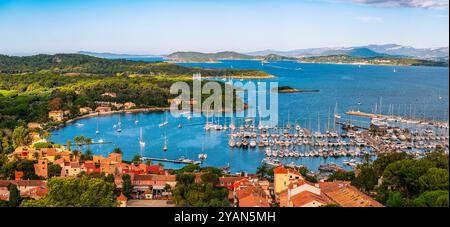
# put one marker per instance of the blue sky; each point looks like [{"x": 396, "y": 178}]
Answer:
[{"x": 161, "y": 27}]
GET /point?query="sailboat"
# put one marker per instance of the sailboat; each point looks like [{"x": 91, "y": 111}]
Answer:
[
  {"x": 165, "y": 144},
  {"x": 119, "y": 125},
  {"x": 395, "y": 71},
  {"x": 180, "y": 125},
  {"x": 141, "y": 141},
  {"x": 202, "y": 156},
  {"x": 97, "y": 131},
  {"x": 232, "y": 126},
  {"x": 164, "y": 123}
]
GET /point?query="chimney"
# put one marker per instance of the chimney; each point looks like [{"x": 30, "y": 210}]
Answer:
[{"x": 18, "y": 175}]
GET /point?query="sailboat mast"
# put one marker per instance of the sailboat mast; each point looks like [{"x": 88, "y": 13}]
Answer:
[
  {"x": 318, "y": 122},
  {"x": 328, "y": 120}
]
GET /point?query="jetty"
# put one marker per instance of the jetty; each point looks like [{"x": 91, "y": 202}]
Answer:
[
  {"x": 93, "y": 143},
  {"x": 176, "y": 161},
  {"x": 402, "y": 119}
]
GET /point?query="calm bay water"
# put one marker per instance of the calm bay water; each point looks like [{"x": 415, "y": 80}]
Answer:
[{"x": 408, "y": 90}]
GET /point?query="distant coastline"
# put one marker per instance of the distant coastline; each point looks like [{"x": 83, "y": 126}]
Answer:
[
  {"x": 96, "y": 114},
  {"x": 287, "y": 89},
  {"x": 384, "y": 61}
]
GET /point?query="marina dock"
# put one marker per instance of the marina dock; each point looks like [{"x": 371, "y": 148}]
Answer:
[
  {"x": 93, "y": 143},
  {"x": 176, "y": 161},
  {"x": 403, "y": 119}
]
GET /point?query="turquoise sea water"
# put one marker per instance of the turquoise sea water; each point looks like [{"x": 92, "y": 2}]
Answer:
[{"x": 408, "y": 90}]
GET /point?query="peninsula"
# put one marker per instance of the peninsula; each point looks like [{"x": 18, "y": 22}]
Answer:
[
  {"x": 287, "y": 89},
  {"x": 384, "y": 60}
]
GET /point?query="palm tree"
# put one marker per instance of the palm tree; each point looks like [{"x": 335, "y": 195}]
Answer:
[
  {"x": 136, "y": 159},
  {"x": 88, "y": 141},
  {"x": 88, "y": 154},
  {"x": 78, "y": 140},
  {"x": 262, "y": 170},
  {"x": 69, "y": 145},
  {"x": 76, "y": 154},
  {"x": 117, "y": 150}
]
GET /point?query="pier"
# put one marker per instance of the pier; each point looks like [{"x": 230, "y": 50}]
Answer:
[
  {"x": 176, "y": 161},
  {"x": 93, "y": 143},
  {"x": 403, "y": 119}
]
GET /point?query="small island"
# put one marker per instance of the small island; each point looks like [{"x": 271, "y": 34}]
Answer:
[{"x": 287, "y": 89}]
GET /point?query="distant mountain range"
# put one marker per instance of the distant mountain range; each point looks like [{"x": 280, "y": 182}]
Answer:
[
  {"x": 197, "y": 56},
  {"x": 116, "y": 56},
  {"x": 368, "y": 51},
  {"x": 395, "y": 50}
]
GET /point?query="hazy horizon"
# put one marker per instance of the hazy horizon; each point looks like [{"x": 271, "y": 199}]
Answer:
[{"x": 163, "y": 27}]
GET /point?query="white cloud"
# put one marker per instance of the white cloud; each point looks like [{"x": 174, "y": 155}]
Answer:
[{"x": 406, "y": 3}]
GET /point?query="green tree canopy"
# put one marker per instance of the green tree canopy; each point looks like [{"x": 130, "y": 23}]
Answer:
[
  {"x": 54, "y": 171},
  {"x": 404, "y": 175},
  {"x": 434, "y": 179},
  {"x": 14, "y": 195},
  {"x": 21, "y": 136},
  {"x": 76, "y": 192},
  {"x": 395, "y": 199},
  {"x": 437, "y": 198},
  {"x": 126, "y": 185},
  {"x": 367, "y": 179}
]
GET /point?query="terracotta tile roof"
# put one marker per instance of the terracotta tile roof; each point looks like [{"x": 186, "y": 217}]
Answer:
[
  {"x": 64, "y": 153},
  {"x": 154, "y": 177},
  {"x": 253, "y": 201},
  {"x": 143, "y": 177},
  {"x": 293, "y": 171},
  {"x": 164, "y": 177},
  {"x": 251, "y": 190},
  {"x": 280, "y": 170},
  {"x": 229, "y": 181},
  {"x": 154, "y": 169},
  {"x": 39, "y": 191},
  {"x": 305, "y": 197},
  {"x": 59, "y": 161},
  {"x": 300, "y": 182},
  {"x": 122, "y": 197},
  {"x": 4, "y": 183},
  {"x": 28, "y": 183},
  {"x": 89, "y": 165},
  {"x": 75, "y": 165},
  {"x": 241, "y": 182},
  {"x": 252, "y": 197},
  {"x": 49, "y": 151},
  {"x": 346, "y": 195},
  {"x": 125, "y": 165}
]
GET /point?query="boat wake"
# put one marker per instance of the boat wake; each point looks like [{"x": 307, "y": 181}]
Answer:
[{"x": 280, "y": 67}]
